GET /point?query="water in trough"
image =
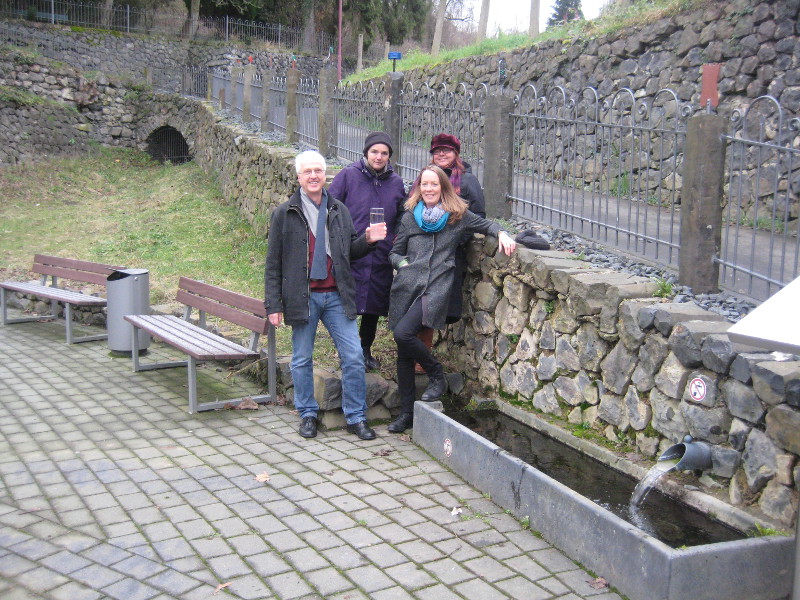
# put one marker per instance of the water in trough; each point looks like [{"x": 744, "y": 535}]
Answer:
[{"x": 660, "y": 516}]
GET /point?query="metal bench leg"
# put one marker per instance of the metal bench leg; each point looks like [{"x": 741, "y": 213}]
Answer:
[
  {"x": 192, "y": 371},
  {"x": 3, "y": 305},
  {"x": 71, "y": 339},
  {"x": 135, "y": 348}
]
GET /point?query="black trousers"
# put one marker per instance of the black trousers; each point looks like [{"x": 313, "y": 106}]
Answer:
[
  {"x": 411, "y": 349},
  {"x": 368, "y": 330}
]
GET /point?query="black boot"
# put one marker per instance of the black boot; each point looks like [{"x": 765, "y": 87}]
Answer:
[
  {"x": 401, "y": 423},
  {"x": 370, "y": 362},
  {"x": 436, "y": 387}
]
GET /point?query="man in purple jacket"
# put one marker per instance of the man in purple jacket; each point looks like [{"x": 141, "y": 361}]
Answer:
[{"x": 370, "y": 182}]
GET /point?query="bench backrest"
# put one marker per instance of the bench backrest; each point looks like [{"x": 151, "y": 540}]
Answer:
[
  {"x": 70, "y": 268},
  {"x": 233, "y": 307}
]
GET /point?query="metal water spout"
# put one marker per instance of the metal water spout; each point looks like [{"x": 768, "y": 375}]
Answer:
[{"x": 691, "y": 455}]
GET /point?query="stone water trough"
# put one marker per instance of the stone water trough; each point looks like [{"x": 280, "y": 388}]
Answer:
[{"x": 638, "y": 565}]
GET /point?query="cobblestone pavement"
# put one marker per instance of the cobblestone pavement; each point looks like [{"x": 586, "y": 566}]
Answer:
[{"x": 110, "y": 489}]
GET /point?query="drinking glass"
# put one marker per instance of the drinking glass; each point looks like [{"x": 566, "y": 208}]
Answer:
[{"x": 376, "y": 215}]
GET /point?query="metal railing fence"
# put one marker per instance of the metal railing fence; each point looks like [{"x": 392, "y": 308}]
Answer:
[
  {"x": 129, "y": 19},
  {"x": 426, "y": 111},
  {"x": 604, "y": 169},
  {"x": 257, "y": 98},
  {"x": 307, "y": 109},
  {"x": 277, "y": 113},
  {"x": 760, "y": 250},
  {"x": 358, "y": 109}
]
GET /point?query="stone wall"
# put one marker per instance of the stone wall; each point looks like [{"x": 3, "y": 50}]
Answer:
[
  {"x": 594, "y": 348},
  {"x": 128, "y": 55}
]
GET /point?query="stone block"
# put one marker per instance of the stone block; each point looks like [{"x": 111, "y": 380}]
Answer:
[
  {"x": 784, "y": 467},
  {"x": 702, "y": 392},
  {"x": 590, "y": 347},
  {"x": 509, "y": 319},
  {"x": 564, "y": 320},
  {"x": 724, "y": 461},
  {"x": 651, "y": 356},
  {"x": 737, "y": 436},
  {"x": 377, "y": 387},
  {"x": 776, "y": 382},
  {"x": 502, "y": 349},
  {"x": 484, "y": 323},
  {"x": 646, "y": 445},
  {"x": 566, "y": 357},
  {"x": 631, "y": 332},
  {"x": 741, "y": 401},
  {"x": 545, "y": 400},
  {"x": 568, "y": 390},
  {"x": 709, "y": 424},
  {"x": 547, "y": 337},
  {"x": 687, "y": 338},
  {"x": 639, "y": 412},
  {"x": 666, "y": 316},
  {"x": 742, "y": 365},
  {"x": 617, "y": 368},
  {"x": 672, "y": 376},
  {"x": 334, "y": 419},
  {"x": 517, "y": 292},
  {"x": 637, "y": 287},
  {"x": 783, "y": 427},
  {"x": 547, "y": 367},
  {"x": 667, "y": 417},
  {"x": 526, "y": 347},
  {"x": 485, "y": 296},
  {"x": 612, "y": 410},
  {"x": 779, "y": 502},
  {"x": 759, "y": 459},
  {"x": 588, "y": 291},
  {"x": 327, "y": 388}
]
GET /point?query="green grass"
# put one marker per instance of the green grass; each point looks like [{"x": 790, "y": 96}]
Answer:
[{"x": 614, "y": 20}]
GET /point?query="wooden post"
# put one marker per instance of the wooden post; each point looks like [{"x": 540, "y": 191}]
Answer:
[
  {"x": 292, "y": 83},
  {"x": 498, "y": 145}
]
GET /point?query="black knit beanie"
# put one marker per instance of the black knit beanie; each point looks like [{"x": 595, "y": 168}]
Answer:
[{"x": 378, "y": 137}]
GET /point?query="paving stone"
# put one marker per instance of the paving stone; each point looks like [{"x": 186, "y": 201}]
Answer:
[
  {"x": 329, "y": 581},
  {"x": 289, "y": 585},
  {"x": 409, "y": 576},
  {"x": 437, "y": 592},
  {"x": 477, "y": 588}
]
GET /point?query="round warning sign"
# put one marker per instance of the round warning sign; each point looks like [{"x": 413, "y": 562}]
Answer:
[
  {"x": 697, "y": 389},
  {"x": 448, "y": 447}
]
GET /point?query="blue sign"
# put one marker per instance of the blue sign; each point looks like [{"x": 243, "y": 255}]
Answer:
[{"x": 395, "y": 55}]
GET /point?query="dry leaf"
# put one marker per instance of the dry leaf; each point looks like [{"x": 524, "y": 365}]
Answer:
[
  {"x": 383, "y": 452},
  {"x": 405, "y": 438},
  {"x": 598, "y": 583},
  {"x": 263, "y": 477},
  {"x": 221, "y": 586},
  {"x": 247, "y": 404},
  {"x": 456, "y": 511}
]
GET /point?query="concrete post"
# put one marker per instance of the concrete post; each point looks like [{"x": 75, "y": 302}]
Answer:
[
  {"x": 148, "y": 76},
  {"x": 326, "y": 115},
  {"x": 292, "y": 83},
  {"x": 266, "y": 99},
  {"x": 247, "y": 93},
  {"x": 222, "y": 98},
  {"x": 701, "y": 203},
  {"x": 393, "y": 86},
  {"x": 209, "y": 85},
  {"x": 498, "y": 145},
  {"x": 360, "y": 62},
  {"x": 235, "y": 71}
]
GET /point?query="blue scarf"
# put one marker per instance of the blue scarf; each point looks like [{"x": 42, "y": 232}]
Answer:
[
  {"x": 429, "y": 227},
  {"x": 319, "y": 263}
]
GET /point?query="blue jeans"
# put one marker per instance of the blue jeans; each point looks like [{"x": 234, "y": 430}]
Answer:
[{"x": 327, "y": 307}]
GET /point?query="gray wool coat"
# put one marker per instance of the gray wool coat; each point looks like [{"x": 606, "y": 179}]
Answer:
[{"x": 431, "y": 267}]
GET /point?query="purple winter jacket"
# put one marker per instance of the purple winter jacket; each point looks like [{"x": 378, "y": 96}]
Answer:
[{"x": 359, "y": 188}]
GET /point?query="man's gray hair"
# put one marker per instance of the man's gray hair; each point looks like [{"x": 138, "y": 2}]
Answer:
[{"x": 307, "y": 157}]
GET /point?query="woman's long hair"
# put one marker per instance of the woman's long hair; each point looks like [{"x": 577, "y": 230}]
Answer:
[
  {"x": 451, "y": 201},
  {"x": 457, "y": 169}
]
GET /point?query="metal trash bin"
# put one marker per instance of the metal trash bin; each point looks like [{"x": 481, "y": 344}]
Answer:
[{"x": 127, "y": 293}]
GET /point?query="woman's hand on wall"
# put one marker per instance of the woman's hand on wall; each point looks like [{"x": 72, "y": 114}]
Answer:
[{"x": 507, "y": 244}]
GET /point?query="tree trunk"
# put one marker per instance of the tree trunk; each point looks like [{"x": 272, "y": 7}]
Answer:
[
  {"x": 106, "y": 13},
  {"x": 533, "y": 30},
  {"x": 437, "y": 32},
  {"x": 484, "y": 20},
  {"x": 310, "y": 32},
  {"x": 194, "y": 18}
]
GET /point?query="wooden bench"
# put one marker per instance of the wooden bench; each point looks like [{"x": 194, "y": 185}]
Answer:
[
  {"x": 199, "y": 343},
  {"x": 66, "y": 268}
]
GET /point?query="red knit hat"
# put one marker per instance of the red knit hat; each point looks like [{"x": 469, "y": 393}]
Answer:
[{"x": 445, "y": 140}]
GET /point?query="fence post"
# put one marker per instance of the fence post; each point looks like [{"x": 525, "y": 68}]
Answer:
[
  {"x": 292, "y": 82},
  {"x": 266, "y": 98},
  {"x": 326, "y": 115},
  {"x": 148, "y": 76},
  {"x": 393, "y": 86},
  {"x": 235, "y": 71},
  {"x": 209, "y": 84},
  {"x": 360, "y": 62},
  {"x": 247, "y": 93},
  {"x": 701, "y": 203},
  {"x": 498, "y": 145},
  {"x": 222, "y": 98}
]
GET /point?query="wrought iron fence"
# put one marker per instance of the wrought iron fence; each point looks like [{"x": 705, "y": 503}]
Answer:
[
  {"x": 760, "y": 250},
  {"x": 605, "y": 169},
  {"x": 221, "y": 85},
  {"x": 277, "y": 104},
  {"x": 129, "y": 19},
  {"x": 359, "y": 110},
  {"x": 307, "y": 109},
  {"x": 257, "y": 95},
  {"x": 426, "y": 111}
]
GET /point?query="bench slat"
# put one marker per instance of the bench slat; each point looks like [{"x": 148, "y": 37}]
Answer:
[
  {"x": 245, "y": 303},
  {"x": 53, "y": 293},
  {"x": 189, "y": 338},
  {"x": 74, "y": 269}
]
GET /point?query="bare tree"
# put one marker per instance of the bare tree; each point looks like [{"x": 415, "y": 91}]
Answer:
[
  {"x": 437, "y": 32},
  {"x": 484, "y": 20},
  {"x": 533, "y": 30},
  {"x": 106, "y": 13}
]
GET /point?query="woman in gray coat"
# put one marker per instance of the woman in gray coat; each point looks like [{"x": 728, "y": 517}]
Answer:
[{"x": 423, "y": 254}]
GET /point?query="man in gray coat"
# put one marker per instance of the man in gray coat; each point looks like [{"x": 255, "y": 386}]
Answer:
[{"x": 308, "y": 280}]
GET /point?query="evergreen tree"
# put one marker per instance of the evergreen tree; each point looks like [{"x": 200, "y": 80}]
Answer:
[{"x": 565, "y": 11}]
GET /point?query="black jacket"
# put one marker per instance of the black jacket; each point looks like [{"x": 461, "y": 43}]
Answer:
[{"x": 286, "y": 282}]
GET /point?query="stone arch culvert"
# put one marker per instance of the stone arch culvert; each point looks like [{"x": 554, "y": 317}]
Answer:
[{"x": 166, "y": 143}]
